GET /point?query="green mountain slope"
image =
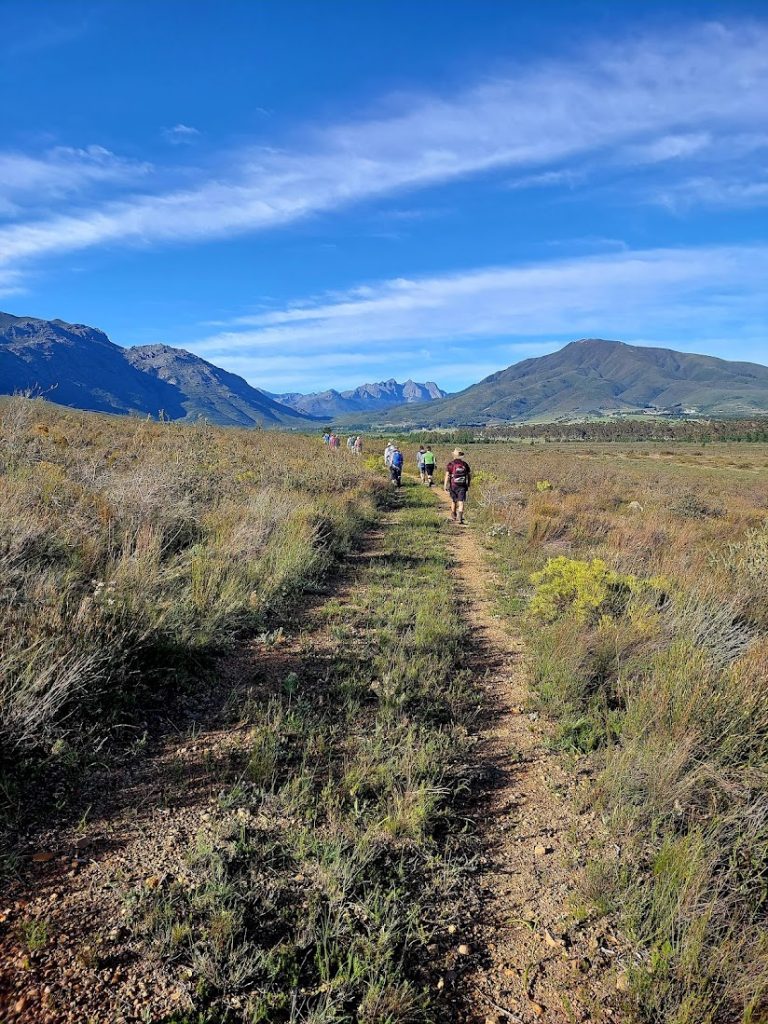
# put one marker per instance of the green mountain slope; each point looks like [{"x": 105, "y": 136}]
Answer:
[{"x": 597, "y": 377}]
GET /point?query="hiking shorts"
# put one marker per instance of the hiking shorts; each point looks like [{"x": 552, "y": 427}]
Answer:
[
  {"x": 429, "y": 469},
  {"x": 458, "y": 493}
]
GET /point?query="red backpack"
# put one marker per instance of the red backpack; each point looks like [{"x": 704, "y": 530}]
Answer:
[{"x": 459, "y": 473}]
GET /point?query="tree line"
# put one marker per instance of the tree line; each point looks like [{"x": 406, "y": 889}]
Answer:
[{"x": 652, "y": 429}]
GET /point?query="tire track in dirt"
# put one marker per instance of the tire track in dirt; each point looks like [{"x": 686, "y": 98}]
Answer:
[{"x": 533, "y": 962}]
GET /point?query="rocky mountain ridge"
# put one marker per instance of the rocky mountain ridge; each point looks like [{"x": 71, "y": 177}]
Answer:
[
  {"x": 598, "y": 377},
  {"x": 79, "y": 366},
  {"x": 366, "y": 397}
]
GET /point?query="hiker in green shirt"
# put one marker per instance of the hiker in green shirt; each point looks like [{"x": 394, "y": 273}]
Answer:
[{"x": 428, "y": 461}]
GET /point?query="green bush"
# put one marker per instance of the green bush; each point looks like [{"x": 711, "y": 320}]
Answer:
[{"x": 585, "y": 589}]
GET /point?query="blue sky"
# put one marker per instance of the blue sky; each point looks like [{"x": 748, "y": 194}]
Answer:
[{"x": 326, "y": 192}]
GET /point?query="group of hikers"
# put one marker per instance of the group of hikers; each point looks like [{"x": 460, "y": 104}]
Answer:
[
  {"x": 354, "y": 444},
  {"x": 456, "y": 482}
]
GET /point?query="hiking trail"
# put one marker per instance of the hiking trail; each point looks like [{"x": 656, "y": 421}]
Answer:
[
  {"x": 533, "y": 963},
  {"x": 524, "y": 959}
]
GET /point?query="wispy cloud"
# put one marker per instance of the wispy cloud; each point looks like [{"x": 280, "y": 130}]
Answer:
[
  {"x": 548, "y": 179},
  {"x": 10, "y": 283},
  {"x": 669, "y": 147},
  {"x": 688, "y": 86},
  {"x": 690, "y": 293},
  {"x": 712, "y": 191},
  {"x": 63, "y": 170},
  {"x": 349, "y": 369},
  {"x": 180, "y": 134}
]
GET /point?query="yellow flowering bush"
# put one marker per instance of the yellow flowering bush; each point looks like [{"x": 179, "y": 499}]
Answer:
[{"x": 588, "y": 590}]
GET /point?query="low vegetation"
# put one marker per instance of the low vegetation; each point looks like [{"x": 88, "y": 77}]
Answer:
[
  {"x": 641, "y": 586},
  {"x": 131, "y": 550},
  {"x": 335, "y": 859},
  {"x": 324, "y": 875}
]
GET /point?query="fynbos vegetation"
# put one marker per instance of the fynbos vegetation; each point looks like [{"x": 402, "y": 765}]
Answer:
[
  {"x": 642, "y": 591},
  {"x": 129, "y": 549},
  {"x": 317, "y": 873}
]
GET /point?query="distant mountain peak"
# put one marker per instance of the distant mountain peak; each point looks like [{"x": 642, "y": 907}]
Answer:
[
  {"x": 365, "y": 397},
  {"x": 596, "y": 343}
]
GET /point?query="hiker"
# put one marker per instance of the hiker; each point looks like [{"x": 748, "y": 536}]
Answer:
[
  {"x": 326, "y": 438},
  {"x": 429, "y": 465},
  {"x": 420, "y": 463},
  {"x": 350, "y": 442},
  {"x": 388, "y": 453},
  {"x": 396, "y": 466},
  {"x": 458, "y": 477},
  {"x": 333, "y": 441},
  {"x": 358, "y": 446}
]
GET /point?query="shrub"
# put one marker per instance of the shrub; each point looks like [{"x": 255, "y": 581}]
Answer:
[
  {"x": 693, "y": 506},
  {"x": 585, "y": 589},
  {"x": 128, "y": 549}
]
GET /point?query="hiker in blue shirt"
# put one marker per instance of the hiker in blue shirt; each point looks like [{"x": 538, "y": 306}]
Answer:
[{"x": 396, "y": 466}]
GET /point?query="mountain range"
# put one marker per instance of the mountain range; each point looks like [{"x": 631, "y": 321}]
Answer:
[
  {"x": 368, "y": 397},
  {"x": 595, "y": 377},
  {"x": 79, "y": 366}
]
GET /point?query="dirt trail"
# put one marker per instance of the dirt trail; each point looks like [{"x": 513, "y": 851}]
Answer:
[
  {"x": 142, "y": 817},
  {"x": 527, "y": 962},
  {"x": 535, "y": 965}
]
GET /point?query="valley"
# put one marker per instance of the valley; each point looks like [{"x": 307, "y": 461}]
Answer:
[{"x": 291, "y": 742}]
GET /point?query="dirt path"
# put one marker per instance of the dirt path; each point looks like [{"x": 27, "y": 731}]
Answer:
[
  {"x": 536, "y": 965},
  {"x": 66, "y": 957}
]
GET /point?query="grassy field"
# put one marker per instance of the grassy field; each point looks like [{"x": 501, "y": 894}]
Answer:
[
  {"x": 638, "y": 575},
  {"x": 325, "y": 877},
  {"x": 131, "y": 551},
  {"x": 332, "y": 869},
  {"x": 321, "y": 873}
]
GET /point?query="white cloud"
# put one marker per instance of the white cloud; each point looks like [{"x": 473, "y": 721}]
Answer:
[
  {"x": 701, "y": 82},
  {"x": 320, "y": 371},
  {"x": 61, "y": 171},
  {"x": 180, "y": 134},
  {"x": 10, "y": 283},
  {"x": 669, "y": 147},
  {"x": 711, "y": 191},
  {"x": 548, "y": 179},
  {"x": 688, "y": 293}
]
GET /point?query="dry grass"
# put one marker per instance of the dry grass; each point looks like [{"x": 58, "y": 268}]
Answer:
[
  {"x": 665, "y": 690},
  {"x": 131, "y": 549},
  {"x": 324, "y": 884}
]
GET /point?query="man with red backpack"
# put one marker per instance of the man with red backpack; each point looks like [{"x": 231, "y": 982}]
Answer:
[{"x": 458, "y": 477}]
